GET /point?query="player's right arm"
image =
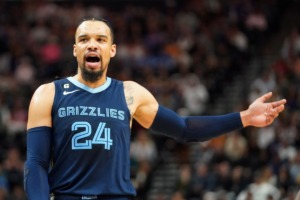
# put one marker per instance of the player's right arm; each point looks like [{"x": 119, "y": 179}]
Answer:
[
  {"x": 39, "y": 143},
  {"x": 40, "y": 107}
]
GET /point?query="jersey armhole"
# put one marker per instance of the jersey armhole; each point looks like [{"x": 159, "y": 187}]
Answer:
[
  {"x": 122, "y": 94},
  {"x": 57, "y": 92}
]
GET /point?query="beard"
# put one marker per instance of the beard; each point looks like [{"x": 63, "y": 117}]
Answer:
[{"x": 91, "y": 76}]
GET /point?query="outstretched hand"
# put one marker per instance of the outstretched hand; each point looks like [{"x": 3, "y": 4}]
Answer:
[{"x": 261, "y": 113}]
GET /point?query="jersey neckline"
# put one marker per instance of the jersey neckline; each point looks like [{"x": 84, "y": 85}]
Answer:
[{"x": 91, "y": 90}]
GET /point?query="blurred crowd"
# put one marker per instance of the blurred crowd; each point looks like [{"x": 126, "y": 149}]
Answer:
[{"x": 184, "y": 52}]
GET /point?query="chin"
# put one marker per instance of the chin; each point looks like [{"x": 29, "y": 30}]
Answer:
[{"x": 91, "y": 75}]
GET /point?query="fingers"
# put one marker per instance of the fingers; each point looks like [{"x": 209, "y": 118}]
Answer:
[
  {"x": 280, "y": 108},
  {"x": 273, "y": 112},
  {"x": 265, "y": 97},
  {"x": 270, "y": 116},
  {"x": 278, "y": 103},
  {"x": 277, "y": 107}
]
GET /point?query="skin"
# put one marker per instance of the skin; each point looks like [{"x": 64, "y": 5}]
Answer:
[{"x": 94, "y": 38}]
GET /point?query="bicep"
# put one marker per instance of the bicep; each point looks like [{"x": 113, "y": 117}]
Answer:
[
  {"x": 145, "y": 105},
  {"x": 146, "y": 113},
  {"x": 39, "y": 113}
]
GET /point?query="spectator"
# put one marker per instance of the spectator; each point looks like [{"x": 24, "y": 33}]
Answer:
[
  {"x": 143, "y": 148},
  {"x": 260, "y": 189},
  {"x": 235, "y": 148}
]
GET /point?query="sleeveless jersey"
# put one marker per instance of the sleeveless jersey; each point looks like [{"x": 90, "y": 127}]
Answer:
[{"x": 91, "y": 139}]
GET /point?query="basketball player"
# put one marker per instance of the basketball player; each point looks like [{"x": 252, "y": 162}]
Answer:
[{"x": 78, "y": 137}]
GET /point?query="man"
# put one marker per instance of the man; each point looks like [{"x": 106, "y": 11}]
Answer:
[{"x": 78, "y": 136}]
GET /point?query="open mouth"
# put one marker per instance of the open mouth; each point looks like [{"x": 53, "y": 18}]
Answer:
[{"x": 92, "y": 59}]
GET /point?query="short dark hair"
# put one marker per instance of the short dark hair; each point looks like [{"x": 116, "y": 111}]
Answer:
[{"x": 100, "y": 20}]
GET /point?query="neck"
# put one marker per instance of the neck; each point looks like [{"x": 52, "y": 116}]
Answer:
[{"x": 95, "y": 84}]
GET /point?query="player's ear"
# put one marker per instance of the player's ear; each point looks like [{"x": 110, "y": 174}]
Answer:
[
  {"x": 113, "y": 50},
  {"x": 74, "y": 50}
]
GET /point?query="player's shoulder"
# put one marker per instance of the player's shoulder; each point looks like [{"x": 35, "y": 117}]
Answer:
[
  {"x": 39, "y": 113},
  {"x": 45, "y": 89},
  {"x": 44, "y": 93},
  {"x": 136, "y": 90},
  {"x": 131, "y": 84}
]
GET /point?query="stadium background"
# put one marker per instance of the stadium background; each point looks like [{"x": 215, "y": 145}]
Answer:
[{"x": 196, "y": 57}]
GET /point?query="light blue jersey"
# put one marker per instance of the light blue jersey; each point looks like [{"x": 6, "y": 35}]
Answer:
[{"x": 91, "y": 139}]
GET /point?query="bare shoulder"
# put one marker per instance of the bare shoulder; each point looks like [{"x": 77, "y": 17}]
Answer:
[
  {"x": 129, "y": 85},
  {"x": 136, "y": 93},
  {"x": 40, "y": 106},
  {"x": 134, "y": 87},
  {"x": 43, "y": 94},
  {"x": 47, "y": 88}
]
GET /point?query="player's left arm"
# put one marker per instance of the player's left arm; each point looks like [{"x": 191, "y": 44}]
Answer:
[
  {"x": 141, "y": 103},
  {"x": 150, "y": 114},
  {"x": 147, "y": 112}
]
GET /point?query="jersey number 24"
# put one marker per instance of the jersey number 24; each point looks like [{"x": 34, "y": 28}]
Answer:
[{"x": 80, "y": 141}]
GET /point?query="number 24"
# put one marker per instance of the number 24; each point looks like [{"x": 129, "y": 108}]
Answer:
[{"x": 102, "y": 136}]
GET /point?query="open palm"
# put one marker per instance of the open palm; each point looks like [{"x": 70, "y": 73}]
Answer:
[{"x": 263, "y": 113}]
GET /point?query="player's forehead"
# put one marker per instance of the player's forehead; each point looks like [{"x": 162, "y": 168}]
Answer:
[{"x": 93, "y": 27}]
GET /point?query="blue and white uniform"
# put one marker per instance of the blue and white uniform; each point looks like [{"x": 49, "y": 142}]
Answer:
[{"x": 91, "y": 140}]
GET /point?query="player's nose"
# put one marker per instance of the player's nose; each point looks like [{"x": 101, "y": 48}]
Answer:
[{"x": 92, "y": 45}]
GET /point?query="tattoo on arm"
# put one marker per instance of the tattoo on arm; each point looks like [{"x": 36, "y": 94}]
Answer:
[
  {"x": 129, "y": 96},
  {"x": 129, "y": 100}
]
